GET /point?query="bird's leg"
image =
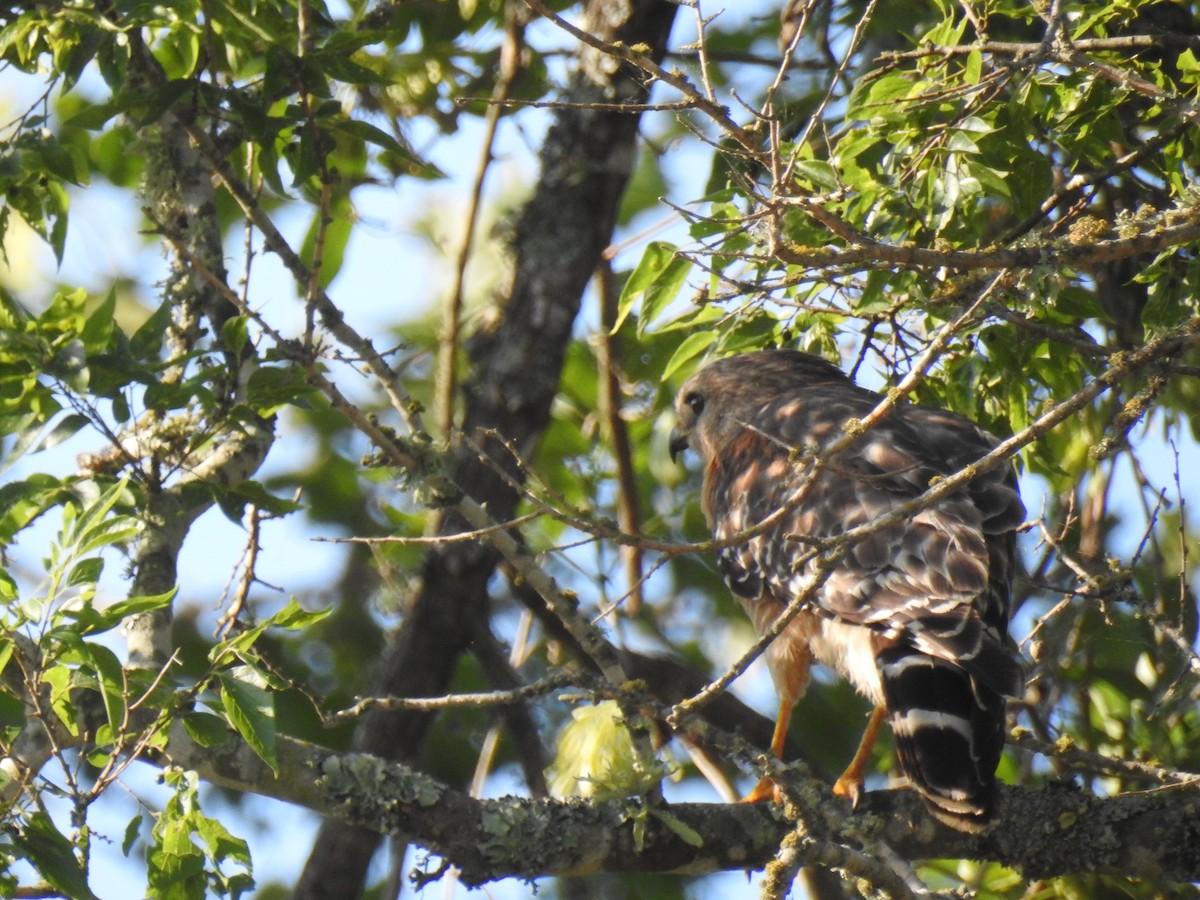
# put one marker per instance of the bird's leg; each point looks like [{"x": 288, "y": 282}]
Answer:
[
  {"x": 851, "y": 781},
  {"x": 766, "y": 789}
]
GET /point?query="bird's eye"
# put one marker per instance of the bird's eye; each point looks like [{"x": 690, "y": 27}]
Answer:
[{"x": 695, "y": 402}]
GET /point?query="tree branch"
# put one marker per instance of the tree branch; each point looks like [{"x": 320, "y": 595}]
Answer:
[
  {"x": 1172, "y": 228},
  {"x": 1153, "y": 835}
]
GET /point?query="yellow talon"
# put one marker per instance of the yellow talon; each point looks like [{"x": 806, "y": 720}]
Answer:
[{"x": 766, "y": 789}]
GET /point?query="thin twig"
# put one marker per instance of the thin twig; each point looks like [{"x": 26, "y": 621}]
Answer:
[
  {"x": 229, "y": 618},
  {"x": 437, "y": 539},
  {"x": 447, "y": 380},
  {"x": 540, "y": 688},
  {"x": 331, "y": 315},
  {"x": 1026, "y": 48},
  {"x": 629, "y": 516},
  {"x": 1076, "y": 757},
  {"x": 631, "y": 108},
  {"x": 719, "y": 114}
]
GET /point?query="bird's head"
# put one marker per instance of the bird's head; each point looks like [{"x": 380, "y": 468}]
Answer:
[
  {"x": 689, "y": 406},
  {"x": 714, "y": 406}
]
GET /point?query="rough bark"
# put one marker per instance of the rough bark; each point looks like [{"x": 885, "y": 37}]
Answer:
[
  {"x": 178, "y": 190},
  {"x": 586, "y": 161},
  {"x": 1153, "y": 836}
]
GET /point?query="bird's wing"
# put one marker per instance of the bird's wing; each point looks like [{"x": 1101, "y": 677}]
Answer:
[{"x": 930, "y": 577}]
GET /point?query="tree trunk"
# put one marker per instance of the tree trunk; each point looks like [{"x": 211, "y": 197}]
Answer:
[{"x": 586, "y": 162}]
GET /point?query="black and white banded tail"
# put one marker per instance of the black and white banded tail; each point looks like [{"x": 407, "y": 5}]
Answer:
[{"x": 949, "y": 733}]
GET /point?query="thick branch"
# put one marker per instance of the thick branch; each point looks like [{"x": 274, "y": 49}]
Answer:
[
  {"x": 1044, "y": 832},
  {"x": 169, "y": 514}
]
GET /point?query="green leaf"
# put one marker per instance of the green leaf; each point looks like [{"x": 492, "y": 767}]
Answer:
[
  {"x": 94, "y": 116},
  {"x": 57, "y": 161},
  {"x": 57, "y": 204},
  {"x": 95, "y": 528},
  {"x": 174, "y": 865},
  {"x": 120, "y": 408},
  {"x": 292, "y": 617},
  {"x": 295, "y": 617},
  {"x": 341, "y": 67},
  {"x": 691, "y": 347},
  {"x": 973, "y": 67},
  {"x": 819, "y": 173},
  {"x": 110, "y": 679},
  {"x": 878, "y": 97},
  {"x": 205, "y": 729},
  {"x": 235, "y": 334},
  {"x": 223, "y": 847},
  {"x": 1189, "y": 66},
  {"x": 143, "y": 604},
  {"x": 250, "y": 708},
  {"x": 86, "y": 571},
  {"x": 90, "y": 620},
  {"x": 234, "y": 501},
  {"x": 132, "y": 831},
  {"x": 8, "y": 589},
  {"x": 338, "y": 227},
  {"x": 656, "y": 281},
  {"x": 246, "y": 21},
  {"x": 60, "y": 679},
  {"x": 99, "y": 326},
  {"x": 27, "y": 428},
  {"x": 147, "y": 340},
  {"x": 190, "y": 849},
  {"x": 21, "y": 502},
  {"x": 273, "y": 387},
  {"x": 53, "y": 856},
  {"x": 696, "y": 319}
]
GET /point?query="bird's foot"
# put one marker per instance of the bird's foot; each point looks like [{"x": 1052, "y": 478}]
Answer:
[
  {"x": 766, "y": 789},
  {"x": 850, "y": 786}
]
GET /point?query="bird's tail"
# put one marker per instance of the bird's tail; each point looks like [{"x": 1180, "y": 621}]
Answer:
[{"x": 949, "y": 734}]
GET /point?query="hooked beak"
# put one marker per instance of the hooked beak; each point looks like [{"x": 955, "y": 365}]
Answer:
[{"x": 679, "y": 442}]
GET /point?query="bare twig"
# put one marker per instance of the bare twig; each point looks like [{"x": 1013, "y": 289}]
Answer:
[
  {"x": 1065, "y": 751},
  {"x": 719, "y": 114},
  {"x": 541, "y": 688},
  {"x": 628, "y": 505},
  {"x": 438, "y": 539},
  {"x": 447, "y": 381},
  {"x": 331, "y": 315},
  {"x": 599, "y": 106},
  {"x": 1027, "y": 48},
  {"x": 229, "y": 618}
]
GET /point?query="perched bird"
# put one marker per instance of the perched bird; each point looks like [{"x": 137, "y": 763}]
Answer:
[{"x": 915, "y": 616}]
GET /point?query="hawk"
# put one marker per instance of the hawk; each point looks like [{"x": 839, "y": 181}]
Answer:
[{"x": 915, "y": 616}]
